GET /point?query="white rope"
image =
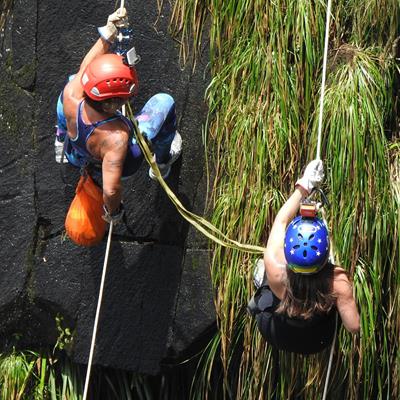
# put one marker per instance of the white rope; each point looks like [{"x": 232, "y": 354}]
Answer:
[
  {"x": 325, "y": 61},
  {"x": 318, "y": 157},
  {"x": 100, "y": 298},
  {"x": 96, "y": 320},
  {"x": 328, "y": 372}
]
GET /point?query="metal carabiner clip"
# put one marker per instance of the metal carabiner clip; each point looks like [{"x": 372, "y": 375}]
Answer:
[{"x": 309, "y": 208}]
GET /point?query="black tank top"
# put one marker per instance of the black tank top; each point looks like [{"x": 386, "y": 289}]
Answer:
[{"x": 296, "y": 335}]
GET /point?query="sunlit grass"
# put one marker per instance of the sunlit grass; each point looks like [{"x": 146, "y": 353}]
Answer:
[
  {"x": 266, "y": 61},
  {"x": 28, "y": 375}
]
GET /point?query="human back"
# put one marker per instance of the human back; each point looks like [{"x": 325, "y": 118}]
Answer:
[
  {"x": 307, "y": 295},
  {"x": 296, "y": 309},
  {"x": 103, "y": 137},
  {"x": 94, "y": 109},
  {"x": 303, "y": 296}
]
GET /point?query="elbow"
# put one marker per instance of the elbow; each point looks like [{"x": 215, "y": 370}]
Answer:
[
  {"x": 111, "y": 190},
  {"x": 353, "y": 326},
  {"x": 353, "y": 329},
  {"x": 111, "y": 194}
]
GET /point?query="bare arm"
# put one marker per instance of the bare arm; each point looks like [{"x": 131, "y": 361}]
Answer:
[
  {"x": 282, "y": 219},
  {"x": 345, "y": 303},
  {"x": 107, "y": 33},
  {"x": 274, "y": 258},
  {"x": 113, "y": 154},
  {"x": 74, "y": 88},
  {"x": 99, "y": 48},
  {"x": 102, "y": 46}
]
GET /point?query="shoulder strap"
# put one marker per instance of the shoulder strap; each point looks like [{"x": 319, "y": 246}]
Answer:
[{"x": 105, "y": 121}]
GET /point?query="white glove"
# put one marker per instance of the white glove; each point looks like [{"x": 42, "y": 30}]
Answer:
[
  {"x": 58, "y": 149},
  {"x": 118, "y": 19},
  {"x": 313, "y": 176}
]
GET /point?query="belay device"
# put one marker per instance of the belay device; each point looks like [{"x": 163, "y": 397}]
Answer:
[
  {"x": 122, "y": 46},
  {"x": 309, "y": 207}
]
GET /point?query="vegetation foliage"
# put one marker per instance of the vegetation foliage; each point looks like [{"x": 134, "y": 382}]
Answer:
[
  {"x": 28, "y": 375},
  {"x": 266, "y": 64}
]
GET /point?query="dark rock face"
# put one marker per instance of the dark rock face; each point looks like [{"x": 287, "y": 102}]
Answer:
[{"x": 158, "y": 299}]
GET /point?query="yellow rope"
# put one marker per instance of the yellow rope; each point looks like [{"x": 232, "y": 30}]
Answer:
[{"x": 198, "y": 222}]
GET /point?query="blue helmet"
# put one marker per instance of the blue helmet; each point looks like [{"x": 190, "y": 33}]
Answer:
[{"x": 306, "y": 245}]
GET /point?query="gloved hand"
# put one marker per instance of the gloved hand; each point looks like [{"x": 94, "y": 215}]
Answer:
[
  {"x": 313, "y": 176},
  {"x": 118, "y": 19},
  {"x": 58, "y": 149},
  {"x": 115, "y": 217}
]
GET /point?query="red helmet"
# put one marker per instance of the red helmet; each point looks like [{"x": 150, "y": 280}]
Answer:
[{"x": 107, "y": 76}]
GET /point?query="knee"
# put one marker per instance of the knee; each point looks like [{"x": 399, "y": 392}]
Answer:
[{"x": 164, "y": 99}]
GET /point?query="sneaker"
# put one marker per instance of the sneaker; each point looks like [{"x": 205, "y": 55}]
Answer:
[
  {"x": 259, "y": 276},
  {"x": 252, "y": 308},
  {"x": 58, "y": 149},
  {"x": 174, "y": 152}
]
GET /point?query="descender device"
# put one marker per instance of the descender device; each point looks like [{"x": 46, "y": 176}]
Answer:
[{"x": 309, "y": 207}]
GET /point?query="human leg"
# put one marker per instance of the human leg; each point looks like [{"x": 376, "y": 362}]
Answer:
[{"x": 157, "y": 120}]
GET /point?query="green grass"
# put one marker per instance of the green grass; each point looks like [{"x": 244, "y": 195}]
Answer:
[
  {"x": 263, "y": 99},
  {"x": 28, "y": 375},
  {"x": 266, "y": 64}
]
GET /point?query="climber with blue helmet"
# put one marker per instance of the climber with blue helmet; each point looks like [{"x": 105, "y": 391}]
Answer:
[{"x": 300, "y": 291}]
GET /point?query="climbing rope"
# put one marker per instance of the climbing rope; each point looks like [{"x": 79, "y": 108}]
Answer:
[
  {"x": 99, "y": 300},
  {"x": 325, "y": 62},
  {"x": 318, "y": 157},
  {"x": 96, "y": 320},
  {"x": 198, "y": 222},
  {"x": 328, "y": 372}
]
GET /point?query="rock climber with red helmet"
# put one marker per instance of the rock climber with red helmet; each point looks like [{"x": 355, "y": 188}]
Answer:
[
  {"x": 299, "y": 290},
  {"x": 97, "y": 135}
]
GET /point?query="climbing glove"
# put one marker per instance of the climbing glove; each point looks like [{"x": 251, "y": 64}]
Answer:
[
  {"x": 58, "y": 149},
  {"x": 118, "y": 19},
  {"x": 312, "y": 177},
  {"x": 116, "y": 217}
]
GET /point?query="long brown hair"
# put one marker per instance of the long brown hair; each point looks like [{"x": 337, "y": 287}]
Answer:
[{"x": 308, "y": 295}]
